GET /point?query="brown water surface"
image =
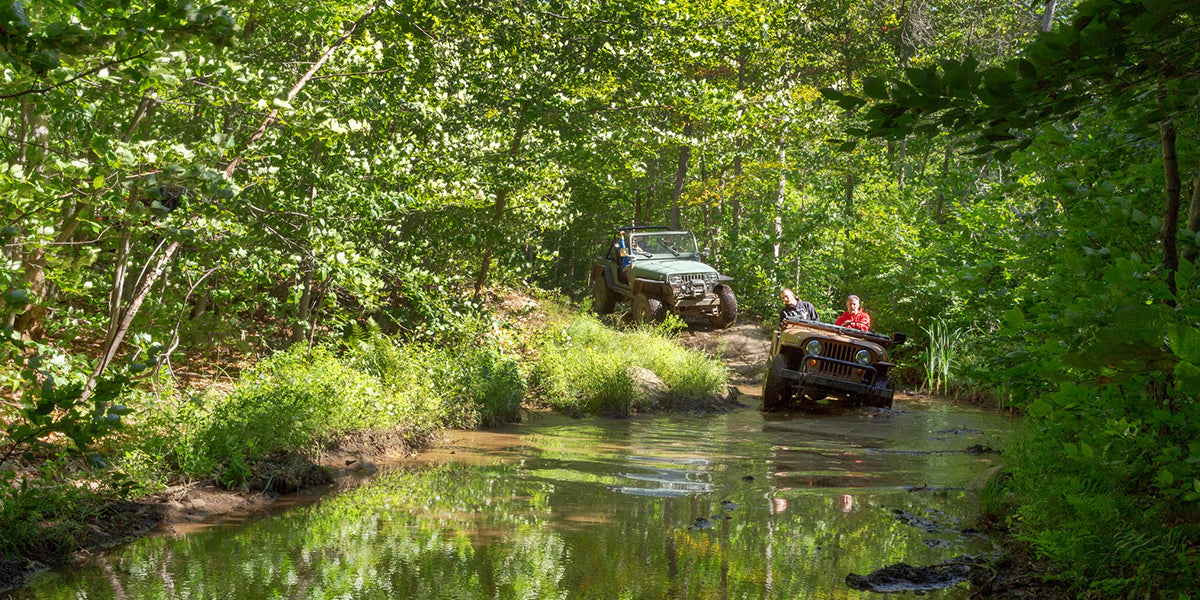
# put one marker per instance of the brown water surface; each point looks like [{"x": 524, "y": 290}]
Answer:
[{"x": 741, "y": 505}]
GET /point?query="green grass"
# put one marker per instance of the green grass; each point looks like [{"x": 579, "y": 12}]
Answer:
[
  {"x": 298, "y": 400},
  {"x": 583, "y": 366}
]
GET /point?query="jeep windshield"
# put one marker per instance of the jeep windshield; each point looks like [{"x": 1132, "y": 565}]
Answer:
[{"x": 664, "y": 244}]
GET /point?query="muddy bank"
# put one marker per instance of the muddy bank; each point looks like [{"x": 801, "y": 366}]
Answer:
[
  {"x": 344, "y": 462},
  {"x": 743, "y": 347}
]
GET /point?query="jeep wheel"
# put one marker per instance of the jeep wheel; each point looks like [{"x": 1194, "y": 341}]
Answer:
[
  {"x": 648, "y": 309},
  {"x": 777, "y": 391},
  {"x": 603, "y": 299},
  {"x": 727, "y": 310}
]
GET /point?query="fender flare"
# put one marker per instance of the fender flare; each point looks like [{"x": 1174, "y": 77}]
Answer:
[
  {"x": 652, "y": 287},
  {"x": 605, "y": 271}
]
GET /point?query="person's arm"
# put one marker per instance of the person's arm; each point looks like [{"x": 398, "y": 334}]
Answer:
[
  {"x": 812, "y": 312},
  {"x": 841, "y": 320},
  {"x": 866, "y": 321}
]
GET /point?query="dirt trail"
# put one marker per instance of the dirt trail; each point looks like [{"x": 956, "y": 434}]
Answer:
[{"x": 744, "y": 347}]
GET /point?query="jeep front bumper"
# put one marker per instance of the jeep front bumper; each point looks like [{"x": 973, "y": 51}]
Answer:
[{"x": 838, "y": 377}]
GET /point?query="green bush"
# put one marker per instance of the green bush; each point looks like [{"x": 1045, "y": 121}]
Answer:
[
  {"x": 584, "y": 366},
  {"x": 1108, "y": 483}
]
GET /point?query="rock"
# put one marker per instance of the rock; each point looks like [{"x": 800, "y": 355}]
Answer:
[
  {"x": 980, "y": 449},
  {"x": 647, "y": 387},
  {"x": 365, "y": 468},
  {"x": 901, "y": 577}
]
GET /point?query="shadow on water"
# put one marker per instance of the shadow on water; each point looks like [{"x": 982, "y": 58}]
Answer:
[{"x": 739, "y": 505}]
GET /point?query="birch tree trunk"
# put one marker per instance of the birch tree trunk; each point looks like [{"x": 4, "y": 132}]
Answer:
[
  {"x": 780, "y": 196},
  {"x": 1048, "y": 16}
]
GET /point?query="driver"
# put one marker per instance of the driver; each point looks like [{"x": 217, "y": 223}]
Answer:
[{"x": 854, "y": 317}]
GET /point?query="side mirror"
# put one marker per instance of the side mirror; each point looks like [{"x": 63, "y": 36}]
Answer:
[
  {"x": 899, "y": 338},
  {"x": 704, "y": 252}
]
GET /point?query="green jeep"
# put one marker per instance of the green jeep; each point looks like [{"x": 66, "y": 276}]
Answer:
[{"x": 658, "y": 270}]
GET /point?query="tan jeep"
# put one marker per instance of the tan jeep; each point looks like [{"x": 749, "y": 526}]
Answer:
[{"x": 811, "y": 361}]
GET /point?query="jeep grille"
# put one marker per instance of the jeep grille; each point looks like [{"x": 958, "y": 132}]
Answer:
[
  {"x": 836, "y": 351},
  {"x": 692, "y": 277}
]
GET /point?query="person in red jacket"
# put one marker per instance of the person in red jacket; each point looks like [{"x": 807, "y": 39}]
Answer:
[{"x": 854, "y": 317}]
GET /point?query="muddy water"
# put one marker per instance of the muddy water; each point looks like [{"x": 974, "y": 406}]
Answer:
[{"x": 742, "y": 505}]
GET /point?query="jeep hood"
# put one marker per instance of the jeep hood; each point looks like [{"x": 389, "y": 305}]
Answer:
[{"x": 671, "y": 267}]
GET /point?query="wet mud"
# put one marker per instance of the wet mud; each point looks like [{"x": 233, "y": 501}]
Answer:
[{"x": 902, "y": 577}]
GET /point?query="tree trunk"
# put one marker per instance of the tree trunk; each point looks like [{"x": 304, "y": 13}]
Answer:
[
  {"x": 514, "y": 148},
  {"x": 780, "y": 196},
  {"x": 1048, "y": 16},
  {"x": 1193, "y": 220},
  {"x": 941, "y": 198},
  {"x": 34, "y": 135},
  {"x": 906, "y": 50},
  {"x": 849, "y": 192},
  {"x": 118, "y": 328},
  {"x": 735, "y": 229},
  {"x": 303, "y": 305},
  {"x": 1170, "y": 225},
  {"x": 849, "y": 196},
  {"x": 685, "y": 153}
]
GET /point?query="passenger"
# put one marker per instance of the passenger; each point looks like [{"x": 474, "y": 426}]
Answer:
[
  {"x": 854, "y": 317},
  {"x": 795, "y": 310},
  {"x": 625, "y": 257}
]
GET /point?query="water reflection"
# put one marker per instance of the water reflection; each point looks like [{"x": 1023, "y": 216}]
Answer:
[{"x": 732, "y": 506}]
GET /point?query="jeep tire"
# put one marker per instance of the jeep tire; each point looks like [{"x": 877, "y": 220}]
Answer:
[
  {"x": 647, "y": 309},
  {"x": 603, "y": 298},
  {"x": 777, "y": 391},
  {"x": 727, "y": 307}
]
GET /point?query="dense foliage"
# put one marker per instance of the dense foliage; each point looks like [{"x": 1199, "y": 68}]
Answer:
[{"x": 1015, "y": 185}]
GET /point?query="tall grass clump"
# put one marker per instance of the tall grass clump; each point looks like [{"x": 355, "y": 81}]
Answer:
[
  {"x": 945, "y": 345},
  {"x": 584, "y": 366}
]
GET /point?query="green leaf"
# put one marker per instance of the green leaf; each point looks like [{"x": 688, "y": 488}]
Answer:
[
  {"x": 12, "y": 15},
  {"x": 1164, "y": 478},
  {"x": 874, "y": 87},
  {"x": 1039, "y": 408},
  {"x": 832, "y": 94},
  {"x": 98, "y": 182},
  {"x": 43, "y": 62},
  {"x": 1184, "y": 341},
  {"x": 1027, "y": 69}
]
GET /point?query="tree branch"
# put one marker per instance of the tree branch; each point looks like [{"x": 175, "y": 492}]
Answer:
[
  {"x": 75, "y": 78},
  {"x": 262, "y": 128}
]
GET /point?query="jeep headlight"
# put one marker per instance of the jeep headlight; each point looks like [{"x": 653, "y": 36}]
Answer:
[
  {"x": 710, "y": 277},
  {"x": 862, "y": 357},
  {"x": 674, "y": 279},
  {"x": 813, "y": 348}
]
